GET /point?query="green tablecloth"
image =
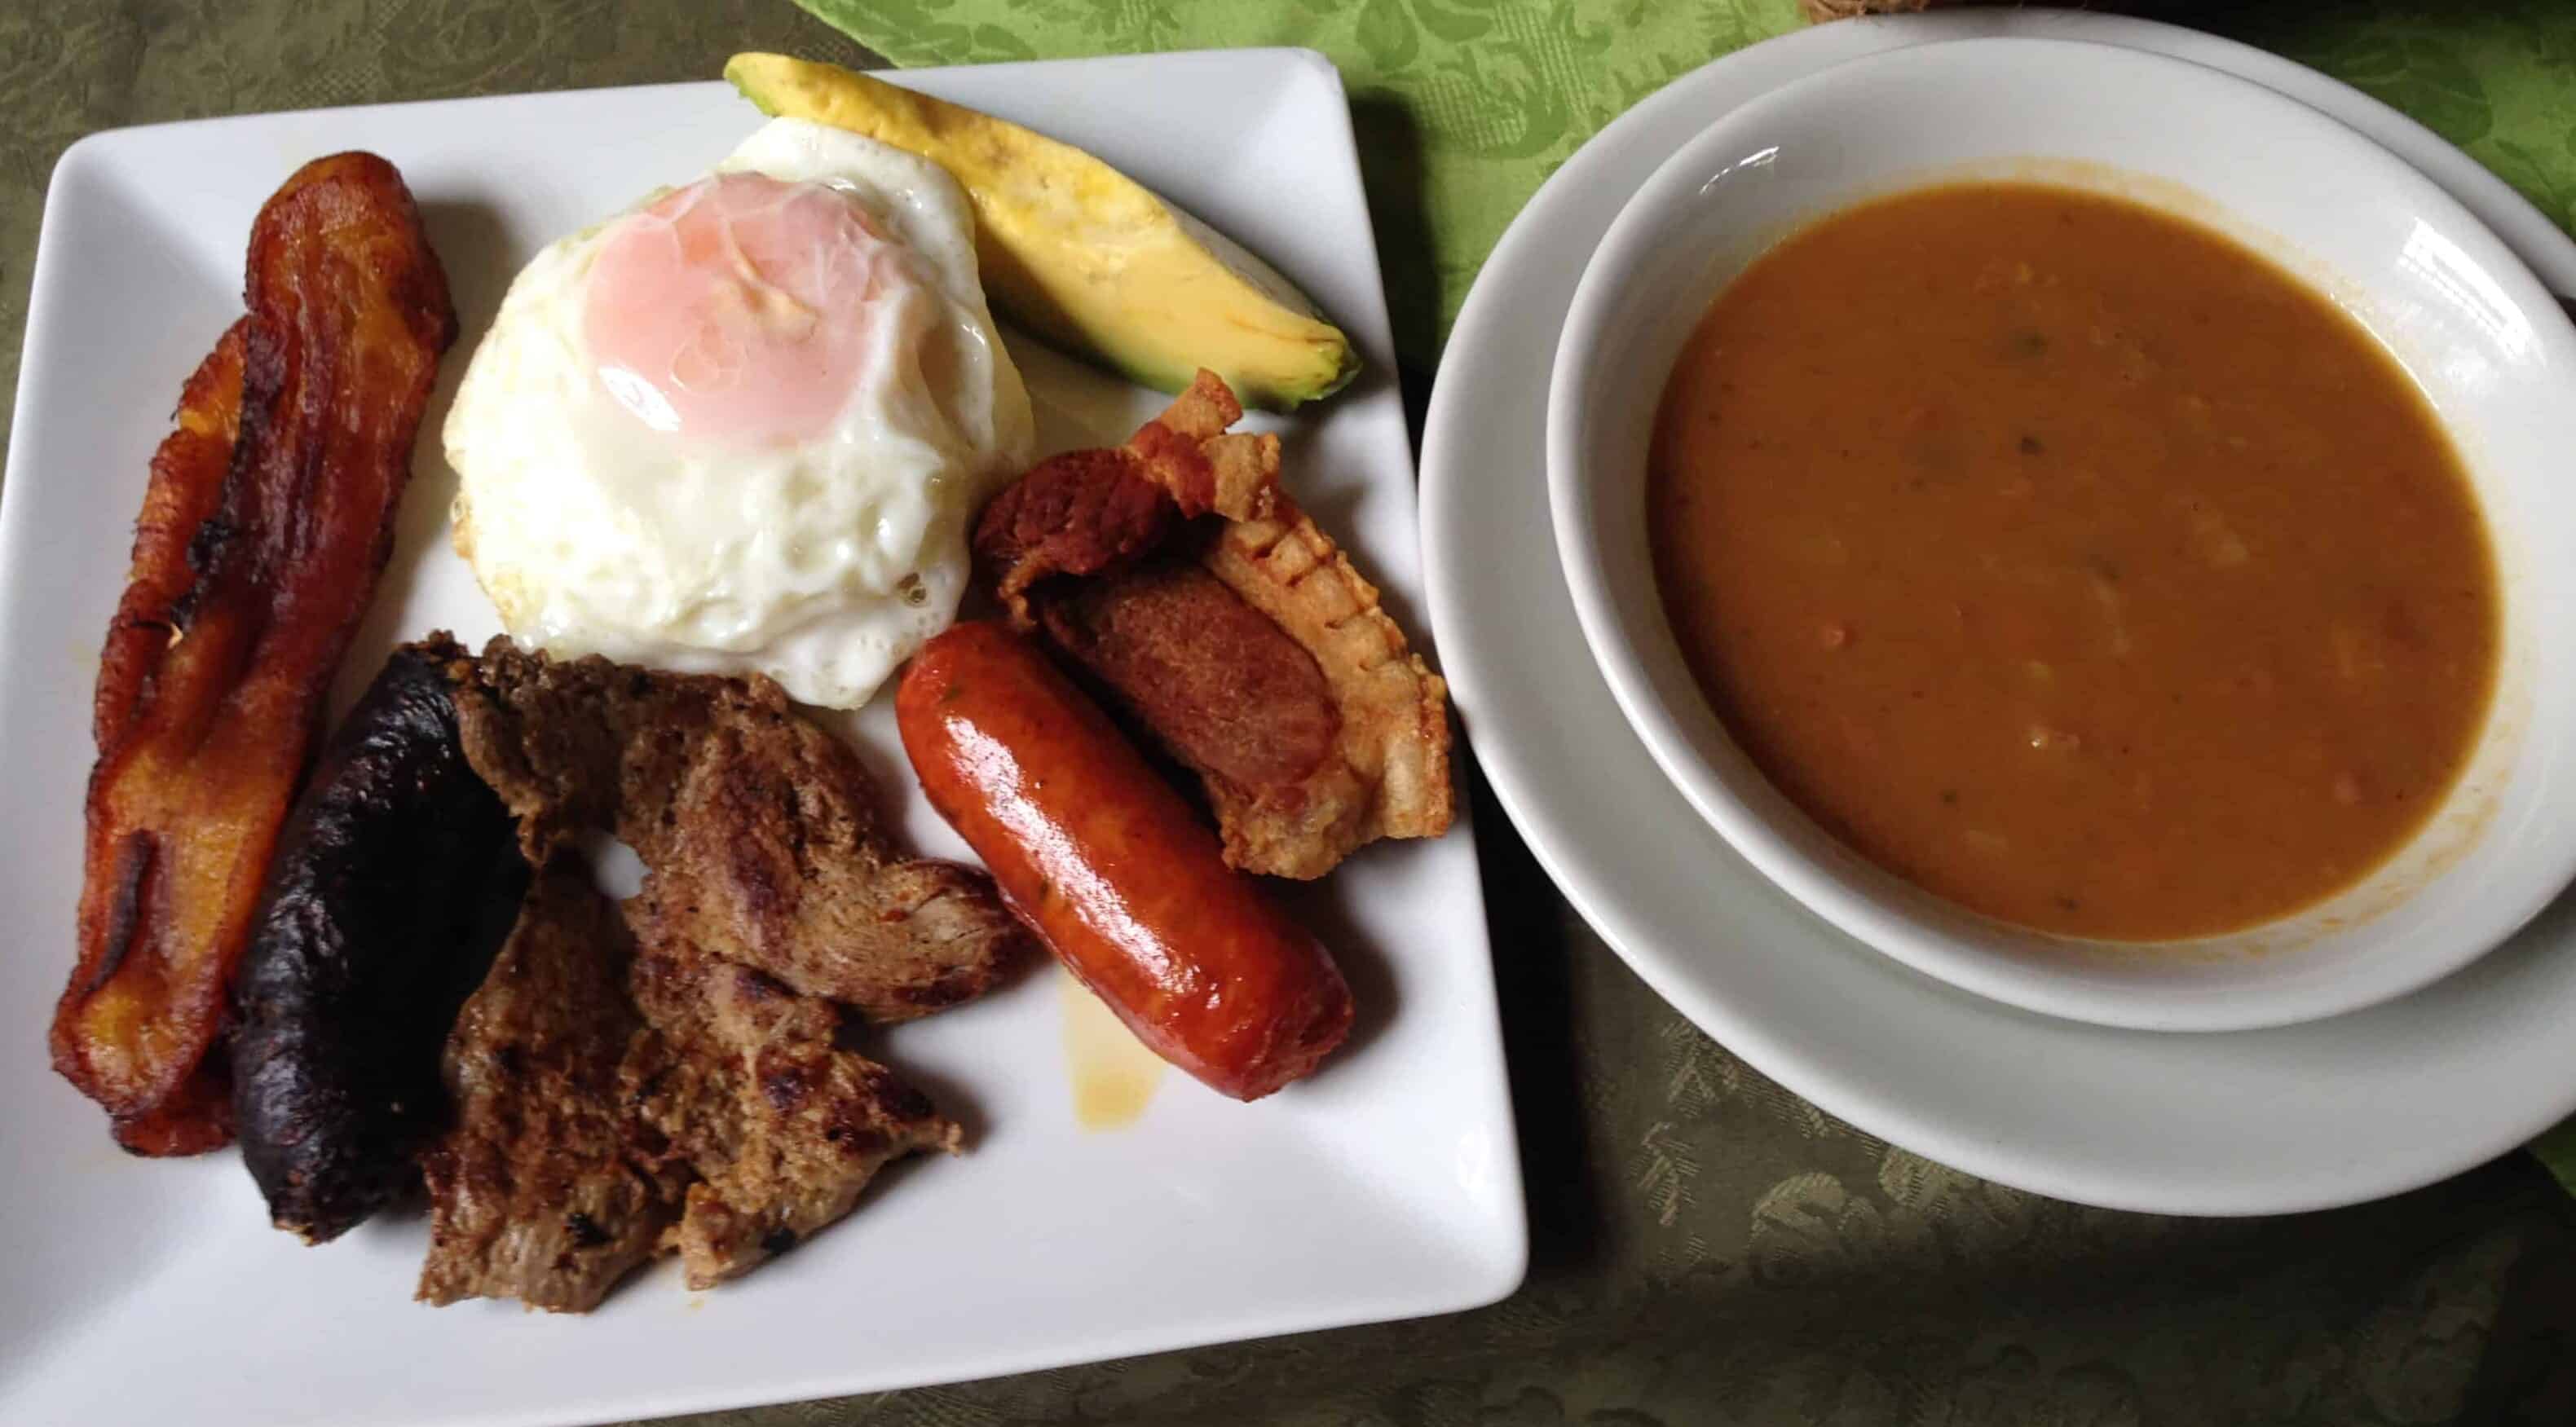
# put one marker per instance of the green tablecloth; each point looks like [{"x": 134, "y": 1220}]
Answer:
[{"x": 1707, "y": 1248}]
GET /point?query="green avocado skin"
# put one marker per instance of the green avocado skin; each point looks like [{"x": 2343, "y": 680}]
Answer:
[{"x": 1261, "y": 396}]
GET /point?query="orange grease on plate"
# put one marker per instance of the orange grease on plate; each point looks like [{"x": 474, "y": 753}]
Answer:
[{"x": 1114, "y": 1076}]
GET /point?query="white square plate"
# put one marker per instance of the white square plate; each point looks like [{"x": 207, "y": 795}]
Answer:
[{"x": 143, "y": 1291}]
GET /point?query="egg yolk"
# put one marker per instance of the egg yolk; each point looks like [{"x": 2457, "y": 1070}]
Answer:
[{"x": 735, "y": 310}]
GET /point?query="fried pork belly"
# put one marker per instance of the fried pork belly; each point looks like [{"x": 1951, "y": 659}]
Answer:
[
  {"x": 1085, "y": 512},
  {"x": 1220, "y": 618},
  {"x": 1389, "y": 776},
  {"x": 757, "y": 828},
  {"x": 267, "y": 521}
]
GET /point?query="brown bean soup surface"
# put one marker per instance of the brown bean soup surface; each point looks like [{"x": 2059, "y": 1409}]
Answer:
[{"x": 2072, "y": 561}]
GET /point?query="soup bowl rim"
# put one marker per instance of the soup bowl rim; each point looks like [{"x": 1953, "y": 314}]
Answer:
[{"x": 2505, "y": 868}]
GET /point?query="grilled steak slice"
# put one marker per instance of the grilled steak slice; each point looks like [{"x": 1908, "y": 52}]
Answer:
[
  {"x": 396, "y": 878},
  {"x": 542, "y": 1191},
  {"x": 757, "y": 828},
  {"x": 669, "y": 1074},
  {"x": 605, "y": 1092},
  {"x": 747, "y": 1083}
]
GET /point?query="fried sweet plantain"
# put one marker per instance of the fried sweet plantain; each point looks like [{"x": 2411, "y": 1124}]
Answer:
[
  {"x": 187, "y": 484},
  {"x": 237, "y": 613}
]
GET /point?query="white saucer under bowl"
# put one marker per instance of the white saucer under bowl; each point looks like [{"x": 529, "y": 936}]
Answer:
[{"x": 2244, "y": 1122}]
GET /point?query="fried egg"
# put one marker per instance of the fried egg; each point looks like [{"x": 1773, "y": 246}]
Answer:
[{"x": 743, "y": 427}]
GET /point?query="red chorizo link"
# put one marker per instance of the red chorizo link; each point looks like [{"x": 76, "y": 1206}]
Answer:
[{"x": 1112, "y": 870}]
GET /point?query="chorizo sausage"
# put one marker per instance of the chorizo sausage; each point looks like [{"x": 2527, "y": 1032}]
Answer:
[{"x": 1112, "y": 870}]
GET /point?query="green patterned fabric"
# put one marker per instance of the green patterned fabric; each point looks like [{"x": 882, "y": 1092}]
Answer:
[
  {"x": 2557, "y": 1151},
  {"x": 1707, "y": 1248},
  {"x": 1465, "y": 106}
]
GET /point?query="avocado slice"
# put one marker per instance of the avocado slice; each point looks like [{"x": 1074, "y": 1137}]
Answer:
[{"x": 1078, "y": 253}]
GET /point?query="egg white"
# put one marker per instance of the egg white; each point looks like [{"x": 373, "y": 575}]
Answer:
[{"x": 824, "y": 564}]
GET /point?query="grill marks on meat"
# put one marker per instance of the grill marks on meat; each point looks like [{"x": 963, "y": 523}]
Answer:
[
  {"x": 240, "y": 604},
  {"x": 624, "y": 1081},
  {"x": 1246, "y": 644},
  {"x": 657, "y": 1076},
  {"x": 748, "y": 1084},
  {"x": 757, "y": 828},
  {"x": 396, "y": 880},
  {"x": 545, "y": 1190},
  {"x": 617, "y": 1102}
]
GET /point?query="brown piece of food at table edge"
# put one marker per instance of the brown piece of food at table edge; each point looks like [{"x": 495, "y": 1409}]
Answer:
[
  {"x": 1818, "y": 12},
  {"x": 1112, "y": 869},
  {"x": 1065, "y": 546},
  {"x": 397, "y": 879},
  {"x": 205, "y": 738}
]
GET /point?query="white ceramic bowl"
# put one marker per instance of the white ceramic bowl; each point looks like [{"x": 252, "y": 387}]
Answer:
[{"x": 2480, "y": 336}]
